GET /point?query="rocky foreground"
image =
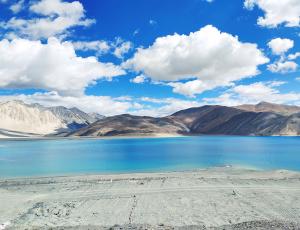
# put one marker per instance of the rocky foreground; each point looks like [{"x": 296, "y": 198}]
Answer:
[{"x": 220, "y": 198}]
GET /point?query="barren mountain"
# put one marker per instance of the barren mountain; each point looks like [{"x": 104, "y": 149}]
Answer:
[
  {"x": 96, "y": 116},
  {"x": 251, "y": 123},
  {"x": 221, "y": 120},
  {"x": 209, "y": 120},
  {"x": 271, "y": 107},
  {"x": 18, "y": 119},
  {"x": 73, "y": 118},
  {"x": 206, "y": 118},
  {"x": 291, "y": 126},
  {"x": 132, "y": 125}
]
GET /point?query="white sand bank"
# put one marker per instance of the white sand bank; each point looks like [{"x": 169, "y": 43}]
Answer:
[{"x": 211, "y": 198}]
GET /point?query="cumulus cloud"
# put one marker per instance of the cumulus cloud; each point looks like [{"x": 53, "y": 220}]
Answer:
[
  {"x": 285, "y": 12},
  {"x": 54, "y": 18},
  {"x": 279, "y": 46},
  {"x": 213, "y": 57},
  {"x": 255, "y": 93},
  {"x": 191, "y": 88},
  {"x": 294, "y": 56},
  {"x": 139, "y": 79},
  {"x": 108, "y": 106},
  {"x": 101, "y": 104},
  {"x": 53, "y": 66},
  {"x": 282, "y": 66},
  {"x": 100, "y": 47},
  {"x": 17, "y": 7},
  {"x": 121, "y": 47},
  {"x": 164, "y": 106}
]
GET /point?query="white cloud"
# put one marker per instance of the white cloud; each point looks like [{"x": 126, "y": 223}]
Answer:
[
  {"x": 191, "y": 88},
  {"x": 164, "y": 106},
  {"x": 152, "y": 22},
  {"x": 101, "y": 47},
  {"x": 139, "y": 79},
  {"x": 294, "y": 56},
  {"x": 286, "y": 12},
  {"x": 101, "y": 104},
  {"x": 108, "y": 106},
  {"x": 53, "y": 66},
  {"x": 55, "y": 19},
  {"x": 255, "y": 93},
  {"x": 17, "y": 7},
  {"x": 121, "y": 47},
  {"x": 118, "y": 47},
  {"x": 283, "y": 66},
  {"x": 58, "y": 7},
  {"x": 279, "y": 46},
  {"x": 214, "y": 58}
]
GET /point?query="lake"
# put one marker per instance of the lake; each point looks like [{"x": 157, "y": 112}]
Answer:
[{"x": 68, "y": 157}]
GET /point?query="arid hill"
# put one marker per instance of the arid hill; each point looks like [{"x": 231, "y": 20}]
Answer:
[
  {"x": 271, "y": 107},
  {"x": 208, "y": 120}
]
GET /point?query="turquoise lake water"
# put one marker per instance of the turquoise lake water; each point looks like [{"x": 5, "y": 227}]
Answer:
[{"x": 67, "y": 157}]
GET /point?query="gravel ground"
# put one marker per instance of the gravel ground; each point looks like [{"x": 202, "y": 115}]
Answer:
[{"x": 216, "y": 198}]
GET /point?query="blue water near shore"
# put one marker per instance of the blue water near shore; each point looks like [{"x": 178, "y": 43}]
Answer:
[{"x": 67, "y": 157}]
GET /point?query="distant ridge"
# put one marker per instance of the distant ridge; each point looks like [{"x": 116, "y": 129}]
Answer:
[
  {"x": 222, "y": 120},
  {"x": 264, "y": 119},
  {"x": 125, "y": 124},
  {"x": 208, "y": 120},
  {"x": 271, "y": 107}
]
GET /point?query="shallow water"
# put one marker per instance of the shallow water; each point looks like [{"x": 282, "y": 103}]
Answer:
[{"x": 67, "y": 157}]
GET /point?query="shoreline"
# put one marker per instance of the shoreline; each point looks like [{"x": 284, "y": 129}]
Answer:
[
  {"x": 213, "y": 197},
  {"x": 37, "y": 138},
  {"x": 140, "y": 173},
  {"x": 87, "y": 137},
  {"x": 149, "y": 172}
]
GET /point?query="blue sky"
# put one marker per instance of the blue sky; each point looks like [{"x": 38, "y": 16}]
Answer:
[{"x": 149, "y": 57}]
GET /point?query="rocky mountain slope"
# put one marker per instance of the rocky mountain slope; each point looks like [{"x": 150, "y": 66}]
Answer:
[
  {"x": 203, "y": 119},
  {"x": 208, "y": 120},
  {"x": 73, "y": 118},
  {"x": 96, "y": 116},
  {"x": 291, "y": 126},
  {"x": 221, "y": 120},
  {"x": 132, "y": 125},
  {"x": 20, "y": 119}
]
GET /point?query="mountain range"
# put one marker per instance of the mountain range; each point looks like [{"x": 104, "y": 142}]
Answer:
[
  {"x": 270, "y": 107},
  {"x": 18, "y": 119}
]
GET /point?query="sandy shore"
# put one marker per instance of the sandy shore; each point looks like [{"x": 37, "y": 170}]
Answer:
[
  {"x": 32, "y": 138},
  {"x": 219, "y": 198}
]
